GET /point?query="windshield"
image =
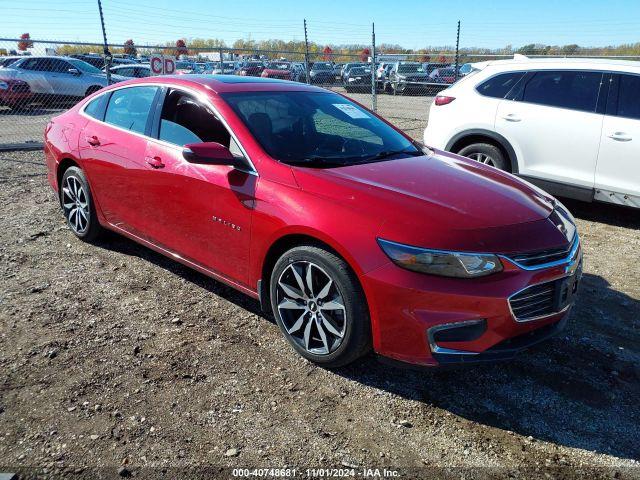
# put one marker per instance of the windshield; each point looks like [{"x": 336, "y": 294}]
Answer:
[
  {"x": 408, "y": 68},
  {"x": 184, "y": 65},
  {"x": 359, "y": 71},
  {"x": 322, "y": 66},
  {"x": 279, "y": 66},
  {"x": 317, "y": 129},
  {"x": 83, "y": 66}
]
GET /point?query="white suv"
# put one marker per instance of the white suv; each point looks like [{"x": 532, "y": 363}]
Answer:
[{"x": 570, "y": 126}]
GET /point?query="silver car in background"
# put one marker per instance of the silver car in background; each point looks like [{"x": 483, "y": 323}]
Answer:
[{"x": 58, "y": 79}]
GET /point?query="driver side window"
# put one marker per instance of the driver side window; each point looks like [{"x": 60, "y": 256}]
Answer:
[{"x": 185, "y": 120}]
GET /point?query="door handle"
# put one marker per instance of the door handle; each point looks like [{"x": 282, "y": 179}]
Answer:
[
  {"x": 155, "y": 162},
  {"x": 92, "y": 140},
  {"x": 511, "y": 117},
  {"x": 620, "y": 137}
]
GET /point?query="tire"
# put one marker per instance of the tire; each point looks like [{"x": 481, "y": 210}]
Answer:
[
  {"x": 91, "y": 90},
  {"x": 78, "y": 206},
  {"x": 487, "y": 154},
  {"x": 337, "y": 311}
]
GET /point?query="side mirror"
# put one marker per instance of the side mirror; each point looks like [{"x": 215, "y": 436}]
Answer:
[
  {"x": 73, "y": 71},
  {"x": 212, "y": 153}
]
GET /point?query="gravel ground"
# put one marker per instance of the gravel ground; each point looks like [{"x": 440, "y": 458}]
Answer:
[{"x": 114, "y": 358}]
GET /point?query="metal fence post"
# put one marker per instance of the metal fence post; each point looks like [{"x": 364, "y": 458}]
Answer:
[
  {"x": 107, "y": 53},
  {"x": 306, "y": 52},
  {"x": 457, "y": 51},
  {"x": 221, "y": 61},
  {"x": 374, "y": 99}
]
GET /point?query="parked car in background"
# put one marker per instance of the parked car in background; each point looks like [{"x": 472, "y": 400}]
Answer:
[
  {"x": 251, "y": 69},
  {"x": 53, "y": 80},
  {"x": 281, "y": 70},
  {"x": 382, "y": 76},
  {"x": 570, "y": 126},
  {"x": 431, "y": 66},
  {"x": 298, "y": 72},
  {"x": 92, "y": 59},
  {"x": 136, "y": 70},
  {"x": 358, "y": 79},
  {"x": 217, "y": 68},
  {"x": 253, "y": 183},
  {"x": 443, "y": 75},
  {"x": 322, "y": 73},
  {"x": 14, "y": 94},
  {"x": 184, "y": 67},
  {"x": 347, "y": 66},
  {"x": 407, "y": 77}
]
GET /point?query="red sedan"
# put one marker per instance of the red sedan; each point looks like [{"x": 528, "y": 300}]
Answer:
[
  {"x": 14, "y": 93},
  {"x": 353, "y": 235},
  {"x": 281, "y": 70}
]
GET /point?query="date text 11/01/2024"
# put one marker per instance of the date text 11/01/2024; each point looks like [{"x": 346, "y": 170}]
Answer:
[{"x": 315, "y": 472}]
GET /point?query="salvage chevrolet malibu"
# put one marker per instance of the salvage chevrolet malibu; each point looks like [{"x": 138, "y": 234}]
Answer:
[{"x": 353, "y": 235}]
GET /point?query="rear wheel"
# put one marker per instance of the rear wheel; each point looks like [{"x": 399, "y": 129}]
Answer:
[
  {"x": 487, "y": 154},
  {"x": 77, "y": 205},
  {"x": 320, "y": 307}
]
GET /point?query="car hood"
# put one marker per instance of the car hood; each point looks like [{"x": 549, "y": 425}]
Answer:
[{"x": 442, "y": 201}]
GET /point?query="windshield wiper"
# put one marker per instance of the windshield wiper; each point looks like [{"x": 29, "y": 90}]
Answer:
[{"x": 389, "y": 153}]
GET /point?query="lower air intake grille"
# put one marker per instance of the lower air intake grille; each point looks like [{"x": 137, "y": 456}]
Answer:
[{"x": 535, "y": 301}]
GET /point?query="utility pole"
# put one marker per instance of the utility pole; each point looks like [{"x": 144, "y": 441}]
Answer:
[
  {"x": 107, "y": 53},
  {"x": 374, "y": 100},
  {"x": 306, "y": 52},
  {"x": 457, "y": 50}
]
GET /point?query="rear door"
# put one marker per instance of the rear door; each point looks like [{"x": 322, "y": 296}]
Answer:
[
  {"x": 618, "y": 169},
  {"x": 553, "y": 121},
  {"x": 113, "y": 148}
]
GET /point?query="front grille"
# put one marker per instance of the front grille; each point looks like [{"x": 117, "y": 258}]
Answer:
[
  {"x": 543, "y": 257},
  {"x": 535, "y": 301}
]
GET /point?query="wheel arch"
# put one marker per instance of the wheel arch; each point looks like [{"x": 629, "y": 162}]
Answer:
[
  {"x": 468, "y": 137},
  {"x": 288, "y": 240},
  {"x": 63, "y": 166}
]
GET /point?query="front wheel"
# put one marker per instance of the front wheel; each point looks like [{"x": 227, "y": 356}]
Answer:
[
  {"x": 487, "y": 154},
  {"x": 320, "y": 307}
]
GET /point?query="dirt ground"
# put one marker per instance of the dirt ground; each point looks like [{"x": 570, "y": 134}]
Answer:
[{"x": 116, "y": 359}]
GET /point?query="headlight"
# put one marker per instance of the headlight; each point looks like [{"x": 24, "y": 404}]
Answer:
[
  {"x": 438, "y": 262},
  {"x": 401, "y": 77},
  {"x": 4, "y": 85}
]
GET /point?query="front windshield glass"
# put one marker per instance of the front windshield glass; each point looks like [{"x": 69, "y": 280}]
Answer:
[
  {"x": 317, "y": 129},
  {"x": 322, "y": 66},
  {"x": 84, "y": 66},
  {"x": 410, "y": 68},
  {"x": 279, "y": 66}
]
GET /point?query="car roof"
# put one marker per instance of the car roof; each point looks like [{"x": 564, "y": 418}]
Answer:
[
  {"x": 526, "y": 63},
  {"x": 129, "y": 65},
  {"x": 227, "y": 83}
]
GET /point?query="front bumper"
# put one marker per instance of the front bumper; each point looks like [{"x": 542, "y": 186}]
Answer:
[{"x": 428, "y": 320}]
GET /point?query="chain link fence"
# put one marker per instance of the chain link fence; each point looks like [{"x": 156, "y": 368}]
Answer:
[{"x": 48, "y": 77}]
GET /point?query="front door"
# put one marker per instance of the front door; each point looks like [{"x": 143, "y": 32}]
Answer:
[
  {"x": 201, "y": 212},
  {"x": 553, "y": 125},
  {"x": 618, "y": 169}
]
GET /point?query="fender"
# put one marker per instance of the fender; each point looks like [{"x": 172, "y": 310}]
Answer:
[{"x": 489, "y": 134}]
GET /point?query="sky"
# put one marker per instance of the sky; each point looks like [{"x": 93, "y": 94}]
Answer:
[{"x": 409, "y": 23}]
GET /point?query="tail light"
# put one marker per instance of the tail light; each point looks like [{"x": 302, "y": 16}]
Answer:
[
  {"x": 264, "y": 74},
  {"x": 443, "y": 100}
]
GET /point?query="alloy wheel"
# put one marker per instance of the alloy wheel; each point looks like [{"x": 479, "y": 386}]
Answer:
[
  {"x": 75, "y": 204},
  {"x": 311, "y": 307},
  {"x": 482, "y": 158}
]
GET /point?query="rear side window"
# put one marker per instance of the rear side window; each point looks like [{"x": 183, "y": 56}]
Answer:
[
  {"x": 95, "y": 108},
  {"x": 129, "y": 108},
  {"x": 500, "y": 85},
  {"x": 628, "y": 98},
  {"x": 564, "y": 89}
]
